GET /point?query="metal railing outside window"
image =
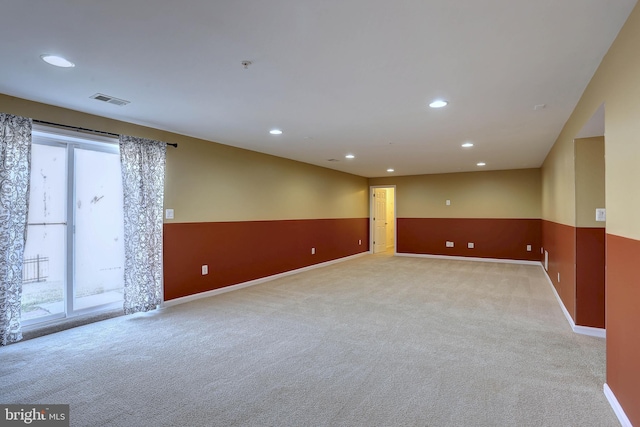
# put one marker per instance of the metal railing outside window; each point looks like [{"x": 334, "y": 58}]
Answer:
[{"x": 35, "y": 269}]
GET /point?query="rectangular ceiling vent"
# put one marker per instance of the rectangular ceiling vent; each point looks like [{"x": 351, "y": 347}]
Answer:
[{"x": 110, "y": 99}]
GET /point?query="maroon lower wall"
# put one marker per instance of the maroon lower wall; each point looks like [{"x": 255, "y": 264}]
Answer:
[
  {"x": 559, "y": 241},
  {"x": 578, "y": 254},
  {"x": 623, "y": 320},
  {"x": 590, "y": 261},
  {"x": 237, "y": 252},
  {"x": 492, "y": 238}
]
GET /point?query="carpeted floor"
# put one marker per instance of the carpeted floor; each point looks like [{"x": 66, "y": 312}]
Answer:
[{"x": 373, "y": 341}]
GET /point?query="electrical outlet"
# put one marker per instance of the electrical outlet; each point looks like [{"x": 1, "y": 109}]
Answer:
[
  {"x": 528, "y": 248},
  {"x": 471, "y": 245},
  {"x": 449, "y": 244},
  {"x": 205, "y": 270},
  {"x": 558, "y": 277},
  {"x": 359, "y": 242},
  {"x": 313, "y": 251}
]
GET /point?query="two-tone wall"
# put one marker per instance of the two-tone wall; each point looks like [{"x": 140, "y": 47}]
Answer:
[
  {"x": 590, "y": 233},
  {"x": 497, "y": 211},
  {"x": 573, "y": 240},
  {"x": 244, "y": 214},
  {"x": 248, "y": 215},
  {"x": 616, "y": 83}
]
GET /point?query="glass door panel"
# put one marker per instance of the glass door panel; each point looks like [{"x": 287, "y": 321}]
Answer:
[
  {"x": 44, "y": 269},
  {"x": 99, "y": 230}
]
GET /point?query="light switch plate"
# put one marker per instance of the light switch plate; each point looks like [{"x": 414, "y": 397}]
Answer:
[
  {"x": 601, "y": 214},
  {"x": 169, "y": 214}
]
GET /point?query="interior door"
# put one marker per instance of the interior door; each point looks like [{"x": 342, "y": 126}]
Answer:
[{"x": 380, "y": 220}]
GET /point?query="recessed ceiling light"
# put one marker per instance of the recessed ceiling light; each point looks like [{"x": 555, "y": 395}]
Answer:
[
  {"x": 481, "y": 164},
  {"x": 275, "y": 132},
  {"x": 390, "y": 170},
  {"x": 57, "y": 61},
  {"x": 467, "y": 145},
  {"x": 350, "y": 156},
  {"x": 438, "y": 103}
]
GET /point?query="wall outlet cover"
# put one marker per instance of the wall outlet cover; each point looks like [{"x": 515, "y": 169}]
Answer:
[{"x": 546, "y": 261}]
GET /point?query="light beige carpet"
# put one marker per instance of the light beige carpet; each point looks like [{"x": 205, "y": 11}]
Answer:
[{"x": 374, "y": 341}]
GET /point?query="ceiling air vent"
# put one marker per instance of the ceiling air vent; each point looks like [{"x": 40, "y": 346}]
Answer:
[
  {"x": 333, "y": 160},
  {"x": 109, "y": 99}
]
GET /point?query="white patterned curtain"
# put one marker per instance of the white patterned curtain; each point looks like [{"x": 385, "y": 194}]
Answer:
[
  {"x": 15, "y": 170},
  {"x": 143, "y": 165}
]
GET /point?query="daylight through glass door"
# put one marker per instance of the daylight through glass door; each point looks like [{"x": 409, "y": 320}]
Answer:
[{"x": 74, "y": 257}]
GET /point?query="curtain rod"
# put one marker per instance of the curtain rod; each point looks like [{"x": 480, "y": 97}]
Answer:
[{"x": 99, "y": 132}]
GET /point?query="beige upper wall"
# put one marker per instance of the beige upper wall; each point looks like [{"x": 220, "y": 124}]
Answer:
[
  {"x": 491, "y": 194},
  {"x": 590, "y": 180},
  {"x": 213, "y": 182},
  {"x": 558, "y": 182},
  {"x": 206, "y": 181},
  {"x": 617, "y": 84}
]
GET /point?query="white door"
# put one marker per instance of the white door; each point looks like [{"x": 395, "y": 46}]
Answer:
[{"x": 379, "y": 220}]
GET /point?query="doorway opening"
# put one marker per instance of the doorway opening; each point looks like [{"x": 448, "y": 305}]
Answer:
[
  {"x": 383, "y": 219},
  {"x": 590, "y": 244}
]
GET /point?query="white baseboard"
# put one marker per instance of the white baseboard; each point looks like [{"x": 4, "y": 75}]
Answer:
[
  {"x": 564, "y": 309},
  {"x": 583, "y": 330},
  {"x": 219, "y": 291},
  {"x": 615, "y": 405},
  {"x": 466, "y": 258},
  {"x": 592, "y": 332}
]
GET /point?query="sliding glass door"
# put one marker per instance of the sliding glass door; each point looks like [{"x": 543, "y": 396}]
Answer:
[
  {"x": 99, "y": 229},
  {"x": 44, "y": 275},
  {"x": 74, "y": 257}
]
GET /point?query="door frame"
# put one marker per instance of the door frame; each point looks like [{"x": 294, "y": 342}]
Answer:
[{"x": 395, "y": 217}]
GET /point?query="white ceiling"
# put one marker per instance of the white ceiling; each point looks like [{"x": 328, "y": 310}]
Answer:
[{"x": 338, "y": 77}]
